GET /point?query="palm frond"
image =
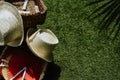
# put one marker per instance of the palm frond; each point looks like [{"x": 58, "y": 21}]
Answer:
[
  {"x": 110, "y": 17},
  {"x": 101, "y": 8},
  {"x": 94, "y": 2},
  {"x": 110, "y": 13}
]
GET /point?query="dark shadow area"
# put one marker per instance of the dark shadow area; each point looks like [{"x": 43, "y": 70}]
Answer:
[
  {"x": 1, "y": 49},
  {"x": 109, "y": 12},
  {"x": 117, "y": 49},
  {"x": 53, "y": 72},
  {"x": 1, "y": 78}
]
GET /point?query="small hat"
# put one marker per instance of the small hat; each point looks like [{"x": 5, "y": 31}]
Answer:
[
  {"x": 18, "y": 64},
  {"x": 11, "y": 25},
  {"x": 42, "y": 42}
]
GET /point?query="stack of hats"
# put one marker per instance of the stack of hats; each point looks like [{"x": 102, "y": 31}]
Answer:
[{"x": 23, "y": 58}]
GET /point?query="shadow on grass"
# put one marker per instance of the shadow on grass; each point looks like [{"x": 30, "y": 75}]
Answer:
[
  {"x": 117, "y": 49},
  {"x": 109, "y": 11},
  {"x": 53, "y": 72}
]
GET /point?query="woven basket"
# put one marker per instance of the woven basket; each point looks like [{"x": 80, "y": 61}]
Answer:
[{"x": 31, "y": 16}]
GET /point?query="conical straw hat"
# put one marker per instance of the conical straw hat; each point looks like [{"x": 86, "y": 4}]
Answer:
[
  {"x": 11, "y": 25},
  {"x": 42, "y": 42}
]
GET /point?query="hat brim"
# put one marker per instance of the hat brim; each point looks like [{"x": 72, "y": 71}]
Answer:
[
  {"x": 12, "y": 9},
  {"x": 33, "y": 31},
  {"x": 35, "y": 66}
]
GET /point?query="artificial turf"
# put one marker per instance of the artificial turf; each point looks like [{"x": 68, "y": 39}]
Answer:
[{"x": 82, "y": 52}]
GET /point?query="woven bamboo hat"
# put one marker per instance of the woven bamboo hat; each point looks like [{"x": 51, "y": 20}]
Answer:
[
  {"x": 42, "y": 42},
  {"x": 11, "y": 25}
]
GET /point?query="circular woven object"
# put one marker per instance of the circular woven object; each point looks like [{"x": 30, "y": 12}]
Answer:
[{"x": 34, "y": 13}]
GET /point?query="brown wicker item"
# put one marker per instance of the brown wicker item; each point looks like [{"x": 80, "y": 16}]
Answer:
[{"x": 31, "y": 16}]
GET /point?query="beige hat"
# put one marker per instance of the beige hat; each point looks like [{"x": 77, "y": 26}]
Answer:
[
  {"x": 11, "y": 25},
  {"x": 42, "y": 43}
]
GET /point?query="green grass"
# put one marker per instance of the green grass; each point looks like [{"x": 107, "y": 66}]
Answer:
[{"x": 82, "y": 52}]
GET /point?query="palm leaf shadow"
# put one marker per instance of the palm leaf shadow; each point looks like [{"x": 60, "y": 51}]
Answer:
[{"x": 110, "y": 12}]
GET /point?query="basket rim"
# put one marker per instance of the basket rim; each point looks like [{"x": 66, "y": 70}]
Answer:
[{"x": 33, "y": 14}]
